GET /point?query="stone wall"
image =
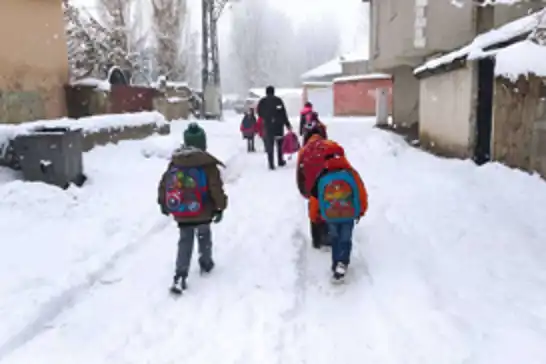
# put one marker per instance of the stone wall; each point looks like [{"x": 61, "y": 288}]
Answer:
[{"x": 519, "y": 125}]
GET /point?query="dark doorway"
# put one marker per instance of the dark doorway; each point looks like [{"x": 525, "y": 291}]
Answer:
[{"x": 484, "y": 111}]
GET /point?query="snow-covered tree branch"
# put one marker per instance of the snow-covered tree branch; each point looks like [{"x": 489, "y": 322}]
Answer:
[
  {"x": 175, "y": 44},
  {"x": 96, "y": 44}
]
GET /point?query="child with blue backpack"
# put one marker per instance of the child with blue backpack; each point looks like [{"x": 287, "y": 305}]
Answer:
[
  {"x": 191, "y": 191},
  {"x": 339, "y": 198}
]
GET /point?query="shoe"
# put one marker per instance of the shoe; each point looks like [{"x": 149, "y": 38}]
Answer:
[
  {"x": 179, "y": 285},
  {"x": 206, "y": 267},
  {"x": 282, "y": 164},
  {"x": 339, "y": 273}
]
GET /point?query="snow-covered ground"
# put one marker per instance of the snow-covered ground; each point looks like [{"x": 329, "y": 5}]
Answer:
[{"x": 448, "y": 266}]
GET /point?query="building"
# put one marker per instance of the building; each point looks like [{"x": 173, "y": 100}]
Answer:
[
  {"x": 33, "y": 60},
  {"x": 487, "y": 100},
  {"x": 318, "y": 86},
  {"x": 405, "y": 33},
  {"x": 356, "y": 95},
  {"x": 318, "y": 83}
]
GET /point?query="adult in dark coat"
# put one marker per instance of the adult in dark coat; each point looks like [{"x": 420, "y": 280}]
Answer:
[{"x": 271, "y": 108}]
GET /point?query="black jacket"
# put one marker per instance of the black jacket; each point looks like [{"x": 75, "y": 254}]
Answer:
[{"x": 271, "y": 108}]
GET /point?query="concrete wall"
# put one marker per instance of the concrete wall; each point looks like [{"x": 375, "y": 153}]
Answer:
[
  {"x": 355, "y": 68},
  {"x": 357, "y": 97},
  {"x": 405, "y": 97},
  {"x": 403, "y": 32},
  {"x": 446, "y": 110},
  {"x": 33, "y": 60}
]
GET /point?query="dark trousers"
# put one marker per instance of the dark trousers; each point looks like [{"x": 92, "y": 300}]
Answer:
[
  {"x": 341, "y": 237},
  {"x": 270, "y": 143},
  {"x": 319, "y": 234},
  {"x": 185, "y": 247},
  {"x": 250, "y": 147}
]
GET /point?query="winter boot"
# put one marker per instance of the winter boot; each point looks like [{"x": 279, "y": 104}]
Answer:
[
  {"x": 206, "y": 267},
  {"x": 179, "y": 284},
  {"x": 339, "y": 273}
]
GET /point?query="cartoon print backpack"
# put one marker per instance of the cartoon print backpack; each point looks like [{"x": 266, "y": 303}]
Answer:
[
  {"x": 186, "y": 191},
  {"x": 338, "y": 196}
]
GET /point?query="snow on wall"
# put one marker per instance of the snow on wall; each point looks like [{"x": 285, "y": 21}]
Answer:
[
  {"x": 369, "y": 76},
  {"x": 87, "y": 125},
  {"x": 475, "y": 49},
  {"x": 521, "y": 58}
]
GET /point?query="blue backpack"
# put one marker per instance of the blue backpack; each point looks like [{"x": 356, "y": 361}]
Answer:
[
  {"x": 339, "y": 197},
  {"x": 186, "y": 191}
]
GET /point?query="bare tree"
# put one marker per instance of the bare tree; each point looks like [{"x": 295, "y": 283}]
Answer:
[
  {"x": 170, "y": 19},
  {"x": 262, "y": 46}
]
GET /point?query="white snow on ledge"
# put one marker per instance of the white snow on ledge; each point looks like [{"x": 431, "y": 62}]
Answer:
[
  {"x": 87, "y": 125},
  {"x": 102, "y": 85},
  {"x": 475, "y": 49},
  {"x": 369, "y": 76},
  {"x": 522, "y": 58}
]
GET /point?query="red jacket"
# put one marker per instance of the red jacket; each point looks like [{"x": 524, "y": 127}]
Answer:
[
  {"x": 311, "y": 161},
  {"x": 260, "y": 127}
]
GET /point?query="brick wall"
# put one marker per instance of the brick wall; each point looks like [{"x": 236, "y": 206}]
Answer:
[{"x": 357, "y": 97}]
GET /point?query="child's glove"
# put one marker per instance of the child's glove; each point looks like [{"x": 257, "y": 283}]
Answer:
[{"x": 217, "y": 216}]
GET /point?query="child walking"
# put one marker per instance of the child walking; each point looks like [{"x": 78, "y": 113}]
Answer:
[
  {"x": 248, "y": 129},
  {"x": 191, "y": 191},
  {"x": 339, "y": 197}
]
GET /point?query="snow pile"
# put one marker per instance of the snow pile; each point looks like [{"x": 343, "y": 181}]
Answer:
[
  {"x": 368, "y": 76},
  {"x": 521, "y": 58},
  {"x": 476, "y": 49}
]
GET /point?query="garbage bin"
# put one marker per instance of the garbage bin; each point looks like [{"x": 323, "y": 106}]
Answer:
[{"x": 51, "y": 155}]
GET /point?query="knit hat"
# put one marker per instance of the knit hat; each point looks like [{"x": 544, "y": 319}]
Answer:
[{"x": 195, "y": 136}]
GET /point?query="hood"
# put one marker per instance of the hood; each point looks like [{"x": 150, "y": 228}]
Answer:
[
  {"x": 194, "y": 157},
  {"x": 306, "y": 110}
]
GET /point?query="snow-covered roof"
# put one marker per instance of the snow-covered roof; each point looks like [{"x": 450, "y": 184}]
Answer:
[
  {"x": 369, "y": 76},
  {"x": 358, "y": 56},
  {"x": 521, "y": 58},
  {"x": 317, "y": 83},
  {"x": 331, "y": 68},
  {"x": 476, "y": 49}
]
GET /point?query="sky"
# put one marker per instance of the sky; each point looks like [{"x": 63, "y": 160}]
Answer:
[{"x": 353, "y": 19}]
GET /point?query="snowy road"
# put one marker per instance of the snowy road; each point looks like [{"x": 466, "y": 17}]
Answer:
[{"x": 448, "y": 267}]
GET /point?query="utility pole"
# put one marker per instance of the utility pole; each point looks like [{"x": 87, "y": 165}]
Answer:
[{"x": 211, "y": 106}]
